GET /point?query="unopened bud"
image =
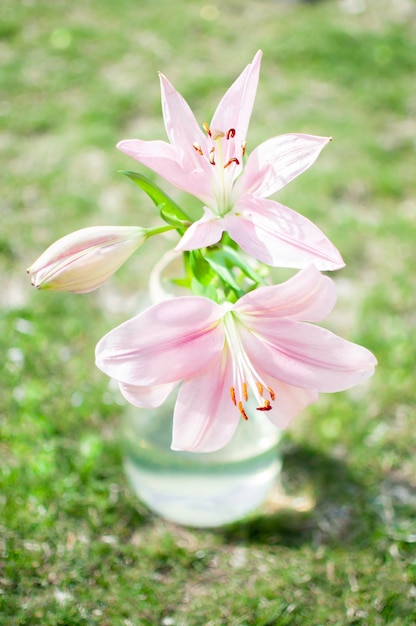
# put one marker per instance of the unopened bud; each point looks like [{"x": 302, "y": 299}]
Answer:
[{"x": 83, "y": 260}]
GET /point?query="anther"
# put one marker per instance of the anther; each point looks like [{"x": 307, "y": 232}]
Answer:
[
  {"x": 207, "y": 129},
  {"x": 266, "y": 406},
  {"x": 243, "y": 147},
  {"x": 232, "y": 394},
  {"x": 230, "y": 133},
  {"x": 272, "y": 393},
  {"x": 242, "y": 411},
  {"x": 233, "y": 160},
  {"x": 212, "y": 156},
  {"x": 198, "y": 148},
  {"x": 245, "y": 392},
  {"x": 260, "y": 388}
]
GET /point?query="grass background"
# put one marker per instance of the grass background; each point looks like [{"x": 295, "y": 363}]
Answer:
[{"x": 76, "y": 548}]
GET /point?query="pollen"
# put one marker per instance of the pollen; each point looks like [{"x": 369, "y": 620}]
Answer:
[
  {"x": 233, "y": 160},
  {"x": 240, "y": 396},
  {"x": 242, "y": 411},
  {"x": 272, "y": 394},
  {"x": 206, "y": 129},
  {"x": 198, "y": 148},
  {"x": 245, "y": 392},
  {"x": 266, "y": 406}
]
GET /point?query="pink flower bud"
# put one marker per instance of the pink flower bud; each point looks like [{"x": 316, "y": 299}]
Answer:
[{"x": 83, "y": 260}]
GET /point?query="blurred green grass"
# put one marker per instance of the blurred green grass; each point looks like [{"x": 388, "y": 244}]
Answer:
[{"x": 75, "y": 546}]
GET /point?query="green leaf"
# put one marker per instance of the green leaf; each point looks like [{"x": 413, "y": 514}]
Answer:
[
  {"x": 171, "y": 217},
  {"x": 169, "y": 210},
  {"x": 233, "y": 257},
  {"x": 224, "y": 273},
  {"x": 200, "y": 269},
  {"x": 208, "y": 291}
]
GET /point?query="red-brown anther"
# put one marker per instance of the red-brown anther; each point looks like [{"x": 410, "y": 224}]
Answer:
[
  {"x": 230, "y": 133},
  {"x": 266, "y": 406},
  {"x": 198, "y": 148},
  {"x": 232, "y": 394},
  {"x": 272, "y": 393},
  {"x": 242, "y": 411},
  {"x": 243, "y": 147},
  {"x": 207, "y": 129},
  {"x": 212, "y": 156},
  {"x": 233, "y": 160}
]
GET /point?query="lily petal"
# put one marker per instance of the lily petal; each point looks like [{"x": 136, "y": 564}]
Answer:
[
  {"x": 279, "y": 236},
  {"x": 204, "y": 419},
  {"x": 277, "y": 161},
  {"x": 291, "y": 401},
  {"x": 180, "y": 123},
  {"x": 307, "y": 356},
  {"x": 146, "y": 397},
  {"x": 234, "y": 110},
  {"x": 145, "y": 350},
  {"x": 202, "y": 233},
  {"x": 170, "y": 162},
  {"x": 308, "y": 296}
]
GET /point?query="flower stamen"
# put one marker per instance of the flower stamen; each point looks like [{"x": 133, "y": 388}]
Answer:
[
  {"x": 233, "y": 160},
  {"x": 245, "y": 391},
  {"x": 266, "y": 406},
  {"x": 220, "y": 155},
  {"x": 247, "y": 384},
  {"x": 242, "y": 411}
]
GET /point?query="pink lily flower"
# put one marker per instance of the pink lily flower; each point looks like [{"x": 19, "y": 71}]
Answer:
[
  {"x": 234, "y": 359},
  {"x": 209, "y": 164},
  {"x": 83, "y": 260}
]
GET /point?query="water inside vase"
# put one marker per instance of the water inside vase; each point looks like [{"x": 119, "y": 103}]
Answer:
[{"x": 199, "y": 489}]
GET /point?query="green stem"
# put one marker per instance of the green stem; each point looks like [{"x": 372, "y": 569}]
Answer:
[{"x": 160, "y": 229}]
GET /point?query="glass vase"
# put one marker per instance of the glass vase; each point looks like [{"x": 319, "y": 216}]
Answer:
[{"x": 199, "y": 489}]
